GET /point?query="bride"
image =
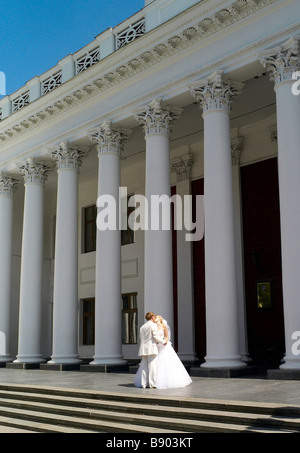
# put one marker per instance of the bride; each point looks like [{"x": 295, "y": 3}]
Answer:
[{"x": 171, "y": 373}]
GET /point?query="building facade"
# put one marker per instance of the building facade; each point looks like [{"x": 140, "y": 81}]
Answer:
[{"x": 197, "y": 99}]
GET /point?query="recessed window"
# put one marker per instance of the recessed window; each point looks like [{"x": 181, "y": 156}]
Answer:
[
  {"x": 129, "y": 320},
  {"x": 88, "y": 321},
  {"x": 127, "y": 234},
  {"x": 89, "y": 229}
]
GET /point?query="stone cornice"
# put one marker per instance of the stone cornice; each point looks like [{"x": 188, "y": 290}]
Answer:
[{"x": 87, "y": 85}]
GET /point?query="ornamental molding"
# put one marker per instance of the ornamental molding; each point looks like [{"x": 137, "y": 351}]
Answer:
[
  {"x": 34, "y": 172},
  {"x": 215, "y": 92},
  {"x": 109, "y": 138},
  {"x": 236, "y": 150},
  {"x": 187, "y": 35},
  {"x": 8, "y": 184},
  {"x": 157, "y": 119},
  {"x": 182, "y": 166},
  {"x": 67, "y": 156},
  {"x": 282, "y": 61}
]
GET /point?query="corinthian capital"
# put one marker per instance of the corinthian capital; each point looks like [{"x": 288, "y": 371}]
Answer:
[
  {"x": 282, "y": 61},
  {"x": 215, "y": 93},
  {"x": 157, "y": 119},
  {"x": 7, "y": 184},
  {"x": 67, "y": 156},
  {"x": 109, "y": 139},
  {"x": 33, "y": 171}
]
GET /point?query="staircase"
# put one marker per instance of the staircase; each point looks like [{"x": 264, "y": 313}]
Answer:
[{"x": 58, "y": 410}]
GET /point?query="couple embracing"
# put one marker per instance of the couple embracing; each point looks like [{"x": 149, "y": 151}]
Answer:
[{"x": 160, "y": 366}]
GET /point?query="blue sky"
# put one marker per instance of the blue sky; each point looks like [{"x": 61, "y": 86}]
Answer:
[{"x": 36, "y": 34}]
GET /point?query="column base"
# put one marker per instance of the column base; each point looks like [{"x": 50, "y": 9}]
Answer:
[
  {"x": 229, "y": 362},
  {"x": 65, "y": 360},
  {"x": 290, "y": 364},
  {"x": 107, "y": 365},
  {"x": 29, "y": 359},
  {"x": 223, "y": 372}
]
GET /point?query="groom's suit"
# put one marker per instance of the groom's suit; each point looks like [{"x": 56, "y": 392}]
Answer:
[{"x": 149, "y": 338}]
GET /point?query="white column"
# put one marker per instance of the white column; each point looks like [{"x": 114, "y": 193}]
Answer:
[
  {"x": 283, "y": 61},
  {"x": 7, "y": 188},
  {"x": 108, "y": 320},
  {"x": 158, "y": 283},
  {"x": 65, "y": 301},
  {"x": 30, "y": 310},
  {"x": 215, "y": 97},
  {"x": 185, "y": 289}
]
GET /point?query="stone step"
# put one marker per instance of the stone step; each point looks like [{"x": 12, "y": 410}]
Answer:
[
  {"x": 63, "y": 423},
  {"x": 52, "y": 409},
  {"x": 76, "y": 396},
  {"x": 22, "y": 425},
  {"x": 105, "y": 409},
  {"x": 42, "y": 422}
]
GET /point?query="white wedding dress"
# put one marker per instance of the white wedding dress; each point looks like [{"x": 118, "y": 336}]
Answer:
[{"x": 171, "y": 372}]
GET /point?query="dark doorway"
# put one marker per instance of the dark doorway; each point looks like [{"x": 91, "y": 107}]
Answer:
[{"x": 262, "y": 259}]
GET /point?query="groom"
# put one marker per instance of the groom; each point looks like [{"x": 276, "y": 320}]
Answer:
[{"x": 149, "y": 338}]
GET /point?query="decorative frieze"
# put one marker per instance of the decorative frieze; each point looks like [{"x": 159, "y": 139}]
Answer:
[
  {"x": 34, "y": 172},
  {"x": 109, "y": 139},
  {"x": 67, "y": 156},
  {"x": 215, "y": 93},
  {"x": 282, "y": 61},
  {"x": 157, "y": 119},
  {"x": 8, "y": 184}
]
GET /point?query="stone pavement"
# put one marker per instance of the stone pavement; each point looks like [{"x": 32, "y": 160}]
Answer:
[{"x": 249, "y": 388}]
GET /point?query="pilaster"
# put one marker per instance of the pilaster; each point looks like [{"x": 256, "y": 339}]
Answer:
[{"x": 182, "y": 166}]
